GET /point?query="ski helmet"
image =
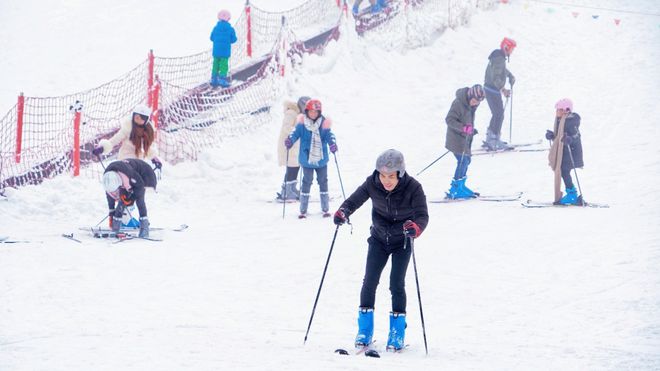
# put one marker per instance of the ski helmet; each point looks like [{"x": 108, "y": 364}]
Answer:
[
  {"x": 507, "y": 45},
  {"x": 565, "y": 104},
  {"x": 476, "y": 92},
  {"x": 224, "y": 15},
  {"x": 302, "y": 102},
  {"x": 313, "y": 104},
  {"x": 111, "y": 181},
  {"x": 390, "y": 161},
  {"x": 142, "y": 110}
]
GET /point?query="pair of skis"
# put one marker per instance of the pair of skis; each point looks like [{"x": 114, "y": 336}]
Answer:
[{"x": 124, "y": 234}]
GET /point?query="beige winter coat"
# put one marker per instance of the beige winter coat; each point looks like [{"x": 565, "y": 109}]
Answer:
[
  {"x": 291, "y": 111},
  {"x": 127, "y": 149}
]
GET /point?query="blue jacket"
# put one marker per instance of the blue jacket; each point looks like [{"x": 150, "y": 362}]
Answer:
[
  {"x": 223, "y": 35},
  {"x": 305, "y": 136}
]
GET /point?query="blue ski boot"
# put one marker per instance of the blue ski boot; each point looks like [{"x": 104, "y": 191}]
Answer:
[
  {"x": 356, "y": 10},
  {"x": 376, "y": 8},
  {"x": 215, "y": 81},
  {"x": 222, "y": 80},
  {"x": 571, "y": 197},
  {"x": 395, "y": 341},
  {"x": 365, "y": 327},
  {"x": 459, "y": 190}
]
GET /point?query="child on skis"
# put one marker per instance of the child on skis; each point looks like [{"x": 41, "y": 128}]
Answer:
[
  {"x": 460, "y": 132},
  {"x": 565, "y": 153},
  {"x": 495, "y": 79},
  {"x": 399, "y": 211},
  {"x": 289, "y": 157},
  {"x": 124, "y": 183},
  {"x": 313, "y": 130},
  {"x": 223, "y": 35},
  {"x": 136, "y": 139}
]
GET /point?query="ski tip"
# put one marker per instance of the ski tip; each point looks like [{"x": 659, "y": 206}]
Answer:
[{"x": 343, "y": 352}]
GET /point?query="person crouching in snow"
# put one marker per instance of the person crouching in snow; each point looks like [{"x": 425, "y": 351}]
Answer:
[
  {"x": 399, "y": 210},
  {"x": 313, "y": 130},
  {"x": 124, "y": 183},
  {"x": 136, "y": 137},
  {"x": 460, "y": 132},
  {"x": 223, "y": 35},
  {"x": 566, "y": 153},
  {"x": 289, "y": 157}
]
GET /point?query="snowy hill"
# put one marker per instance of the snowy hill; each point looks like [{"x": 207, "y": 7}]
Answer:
[{"x": 503, "y": 287}]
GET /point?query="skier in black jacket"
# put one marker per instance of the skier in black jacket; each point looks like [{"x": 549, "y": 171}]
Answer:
[
  {"x": 398, "y": 211},
  {"x": 124, "y": 183}
]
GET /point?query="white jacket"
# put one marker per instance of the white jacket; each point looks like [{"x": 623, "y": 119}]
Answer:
[{"x": 127, "y": 149}]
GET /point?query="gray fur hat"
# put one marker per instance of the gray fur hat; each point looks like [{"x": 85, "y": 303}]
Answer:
[
  {"x": 391, "y": 160},
  {"x": 302, "y": 101}
]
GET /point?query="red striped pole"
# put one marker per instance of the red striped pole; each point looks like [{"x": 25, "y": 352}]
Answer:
[
  {"x": 154, "y": 100},
  {"x": 249, "y": 28},
  {"x": 150, "y": 76},
  {"x": 19, "y": 126},
  {"x": 76, "y": 144}
]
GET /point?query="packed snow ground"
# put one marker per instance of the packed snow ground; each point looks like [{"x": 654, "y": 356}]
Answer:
[{"x": 503, "y": 287}]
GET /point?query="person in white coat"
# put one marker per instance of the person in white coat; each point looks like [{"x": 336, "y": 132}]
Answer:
[
  {"x": 136, "y": 138},
  {"x": 291, "y": 112}
]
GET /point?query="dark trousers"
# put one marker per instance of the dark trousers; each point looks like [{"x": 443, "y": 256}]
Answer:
[
  {"x": 566, "y": 176},
  {"x": 291, "y": 173},
  {"x": 376, "y": 260},
  {"x": 462, "y": 165},
  {"x": 138, "y": 196},
  {"x": 497, "y": 109},
  {"x": 321, "y": 178}
]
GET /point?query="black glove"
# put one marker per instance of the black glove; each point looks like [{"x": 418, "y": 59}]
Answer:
[
  {"x": 411, "y": 229},
  {"x": 549, "y": 135},
  {"x": 567, "y": 139},
  {"x": 340, "y": 217},
  {"x": 97, "y": 151},
  {"x": 157, "y": 163},
  {"x": 512, "y": 80}
]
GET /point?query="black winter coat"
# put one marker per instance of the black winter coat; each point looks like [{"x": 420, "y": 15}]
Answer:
[
  {"x": 390, "y": 210},
  {"x": 139, "y": 173},
  {"x": 571, "y": 129}
]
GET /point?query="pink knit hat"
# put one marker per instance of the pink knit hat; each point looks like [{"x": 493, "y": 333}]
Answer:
[{"x": 224, "y": 15}]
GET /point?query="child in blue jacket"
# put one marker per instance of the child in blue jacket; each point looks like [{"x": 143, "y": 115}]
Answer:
[
  {"x": 223, "y": 35},
  {"x": 313, "y": 130}
]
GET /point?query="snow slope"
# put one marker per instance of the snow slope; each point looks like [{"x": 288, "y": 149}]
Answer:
[{"x": 503, "y": 287}]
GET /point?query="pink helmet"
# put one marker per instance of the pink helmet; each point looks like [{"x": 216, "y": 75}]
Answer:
[
  {"x": 224, "y": 15},
  {"x": 565, "y": 104}
]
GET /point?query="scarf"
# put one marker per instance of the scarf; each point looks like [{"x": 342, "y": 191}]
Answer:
[{"x": 315, "y": 148}]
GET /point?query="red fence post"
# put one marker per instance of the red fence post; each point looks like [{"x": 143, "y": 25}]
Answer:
[
  {"x": 249, "y": 28},
  {"x": 150, "y": 76},
  {"x": 19, "y": 126},
  {"x": 76, "y": 144},
  {"x": 154, "y": 99}
]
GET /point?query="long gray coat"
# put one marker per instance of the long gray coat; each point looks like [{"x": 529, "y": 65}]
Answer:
[{"x": 460, "y": 114}]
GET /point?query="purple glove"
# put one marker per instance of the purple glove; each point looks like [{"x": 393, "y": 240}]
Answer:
[
  {"x": 288, "y": 143},
  {"x": 97, "y": 151},
  {"x": 333, "y": 147},
  {"x": 468, "y": 129}
]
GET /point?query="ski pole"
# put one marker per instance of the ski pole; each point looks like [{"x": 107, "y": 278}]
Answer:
[
  {"x": 577, "y": 180},
  {"x": 511, "y": 115},
  {"x": 434, "y": 161},
  {"x": 318, "y": 293},
  {"x": 285, "y": 187},
  {"x": 339, "y": 174},
  {"x": 101, "y": 161},
  {"x": 419, "y": 295}
]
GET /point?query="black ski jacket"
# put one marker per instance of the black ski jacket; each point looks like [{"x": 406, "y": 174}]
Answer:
[{"x": 390, "y": 210}]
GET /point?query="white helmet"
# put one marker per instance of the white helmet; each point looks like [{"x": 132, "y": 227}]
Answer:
[
  {"x": 111, "y": 181},
  {"x": 142, "y": 109}
]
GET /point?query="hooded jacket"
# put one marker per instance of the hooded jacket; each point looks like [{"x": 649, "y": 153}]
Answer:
[
  {"x": 390, "y": 210},
  {"x": 291, "y": 112},
  {"x": 223, "y": 35},
  {"x": 139, "y": 173},
  {"x": 460, "y": 114},
  {"x": 496, "y": 72}
]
